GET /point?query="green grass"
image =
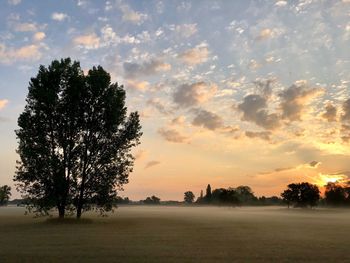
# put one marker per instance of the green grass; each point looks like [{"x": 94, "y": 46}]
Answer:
[{"x": 179, "y": 234}]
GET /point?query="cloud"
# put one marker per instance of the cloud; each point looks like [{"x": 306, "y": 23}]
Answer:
[
  {"x": 278, "y": 170},
  {"x": 253, "y": 64},
  {"x": 295, "y": 100},
  {"x": 159, "y": 105},
  {"x": 88, "y": 41},
  {"x": 14, "y": 2},
  {"x": 25, "y": 27},
  {"x": 173, "y": 135},
  {"x": 281, "y": 3},
  {"x": 269, "y": 33},
  {"x": 146, "y": 68},
  {"x": 3, "y": 103},
  {"x": 331, "y": 113},
  {"x": 196, "y": 55},
  {"x": 186, "y": 30},
  {"x": 345, "y": 118},
  {"x": 345, "y": 129},
  {"x": 178, "y": 120},
  {"x": 137, "y": 85},
  {"x": 207, "y": 120},
  {"x": 132, "y": 16},
  {"x": 39, "y": 36},
  {"x": 263, "y": 87},
  {"x": 264, "y": 135},
  {"x": 265, "y": 33},
  {"x": 10, "y": 55},
  {"x": 346, "y": 111},
  {"x": 310, "y": 165},
  {"x": 314, "y": 164},
  {"x": 59, "y": 16},
  {"x": 109, "y": 37},
  {"x": 188, "y": 95},
  {"x": 151, "y": 163},
  {"x": 254, "y": 109}
]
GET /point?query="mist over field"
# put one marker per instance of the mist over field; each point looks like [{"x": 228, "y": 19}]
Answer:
[
  {"x": 215, "y": 130},
  {"x": 179, "y": 234}
]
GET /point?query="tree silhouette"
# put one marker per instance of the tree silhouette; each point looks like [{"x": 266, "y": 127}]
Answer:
[
  {"x": 245, "y": 194},
  {"x": 153, "y": 200},
  {"x": 5, "y": 193},
  {"x": 301, "y": 195},
  {"x": 189, "y": 197},
  {"x": 74, "y": 140},
  {"x": 335, "y": 194},
  {"x": 225, "y": 196},
  {"x": 208, "y": 194}
]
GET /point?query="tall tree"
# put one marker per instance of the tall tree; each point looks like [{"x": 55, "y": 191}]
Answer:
[
  {"x": 75, "y": 140},
  {"x": 208, "y": 193},
  {"x": 189, "y": 197},
  {"x": 5, "y": 193}
]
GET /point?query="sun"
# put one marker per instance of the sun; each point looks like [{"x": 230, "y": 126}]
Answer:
[{"x": 324, "y": 179}]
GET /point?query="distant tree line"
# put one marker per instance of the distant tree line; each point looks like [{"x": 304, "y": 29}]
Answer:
[
  {"x": 241, "y": 195},
  {"x": 301, "y": 195}
]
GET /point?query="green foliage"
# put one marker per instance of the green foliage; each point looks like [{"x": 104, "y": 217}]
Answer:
[
  {"x": 301, "y": 195},
  {"x": 189, "y": 197},
  {"x": 75, "y": 140},
  {"x": 5, "y": 193}
]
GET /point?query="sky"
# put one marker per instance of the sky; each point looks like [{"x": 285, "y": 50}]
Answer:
[{"x": 229, "y": 92}]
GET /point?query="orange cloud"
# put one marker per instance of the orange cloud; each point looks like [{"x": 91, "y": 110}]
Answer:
[
  {"x": 3, "y": 104},
  {"x": 89, "y": 41},
  {"x": 196, "y": 55}
]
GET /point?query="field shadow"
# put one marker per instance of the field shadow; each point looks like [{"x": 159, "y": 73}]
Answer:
[{"x": 68, "y": 221}]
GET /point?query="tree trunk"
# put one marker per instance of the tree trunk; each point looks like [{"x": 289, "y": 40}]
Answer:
[
  {"x": 81, "y": 199},
  {"x": 79, "y": 211},
  {"x": 61, "y": 212}
]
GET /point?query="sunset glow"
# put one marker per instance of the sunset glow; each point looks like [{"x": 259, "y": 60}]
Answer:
[{"x": 229, "y": 92}]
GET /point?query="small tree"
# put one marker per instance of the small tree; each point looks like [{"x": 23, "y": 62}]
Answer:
[
  {"x": 5, "y": 193},
  {"x": 189, "y": 197}
]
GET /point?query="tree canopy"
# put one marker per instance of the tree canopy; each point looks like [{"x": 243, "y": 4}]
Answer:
[
  {"x": 75, "y": 140},
  {"x": 301, "y": 195},
  {"x": 5, "y": 194},
  {"x": 189, "y": 197}
]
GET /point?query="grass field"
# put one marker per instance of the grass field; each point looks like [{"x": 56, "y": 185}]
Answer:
[{"x": 179, "y": 234}]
